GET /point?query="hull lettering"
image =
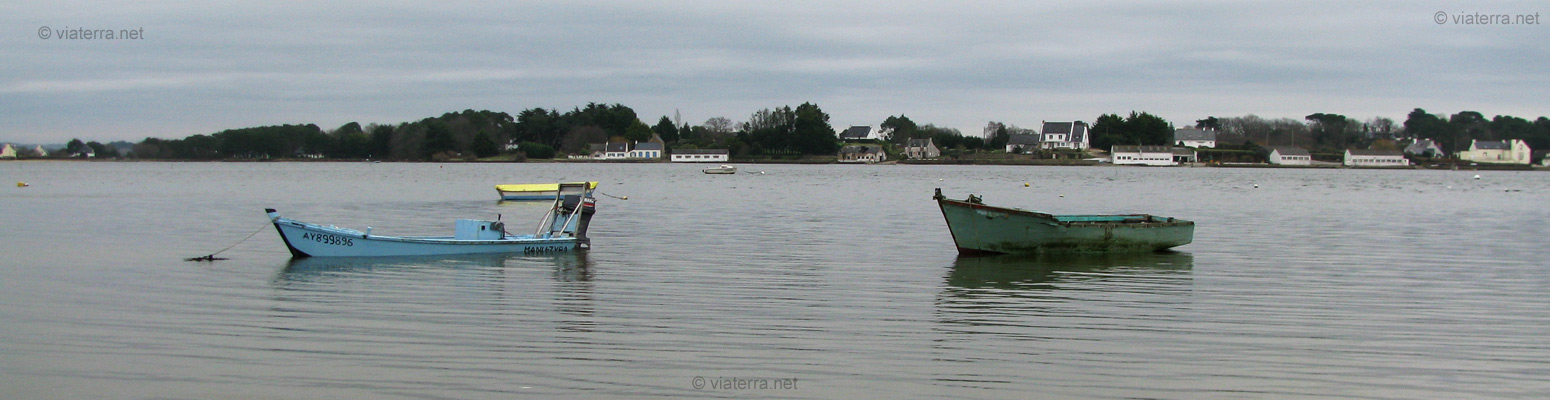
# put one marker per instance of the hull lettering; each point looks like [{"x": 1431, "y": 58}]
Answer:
[
  {"x": 546, "y": 250},
  {"x": 332, "y": 240}
]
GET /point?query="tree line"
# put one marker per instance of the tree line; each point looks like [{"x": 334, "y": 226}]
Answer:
[
  {"x": 1324, "y": 132},
  {"x": 783, "y": 131},
  {"x": 536, "y": 133}
]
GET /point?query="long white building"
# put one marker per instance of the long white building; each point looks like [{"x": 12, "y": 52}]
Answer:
[
  {"x": 700, "y": 155},
  {"x": 1142, "y": 155}
]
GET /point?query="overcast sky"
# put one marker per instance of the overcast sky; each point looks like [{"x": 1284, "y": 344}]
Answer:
[{"x": 201, "y": 67}]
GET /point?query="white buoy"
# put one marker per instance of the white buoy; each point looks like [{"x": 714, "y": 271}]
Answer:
[
  {"x": 1477, "y": 177},
  {"x": 1256, "y": 186}
]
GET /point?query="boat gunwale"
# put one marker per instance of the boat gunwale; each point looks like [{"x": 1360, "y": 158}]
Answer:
[{"x": 1144, "y": 219}]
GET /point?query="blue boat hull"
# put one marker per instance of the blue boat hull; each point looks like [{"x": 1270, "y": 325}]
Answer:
[
  {"x": 514, "y": 196},
  {"x": 310, "y": 240}
]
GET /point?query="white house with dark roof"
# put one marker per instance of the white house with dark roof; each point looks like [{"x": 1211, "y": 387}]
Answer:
[
  {"x": 920, "y": 149},
  {"x": 1375, "y": 158},
  {"x": 1142, "y": 155},
  {"x": 861, "y": 132},
  {"x": 646, "y": 151},
  {"x": 1064, "y": 135},
  {"x": 1424, "y": 148},
  {"x": 616, "y": 151},
  {"x": 1197, "y": 138},
  {"x": 862, "y": 153},
  {"x": 1288, "y": 155},
  {"x": 1497, "y": 152},
  {"x": 1022, "y": 142},
  {"x": 699, "y": 155}
]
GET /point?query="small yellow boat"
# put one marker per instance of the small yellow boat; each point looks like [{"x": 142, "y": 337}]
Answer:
[{"x": 535, "y": 191}]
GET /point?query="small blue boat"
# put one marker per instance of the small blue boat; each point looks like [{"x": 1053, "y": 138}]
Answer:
[{"x": 563, "y": 229}]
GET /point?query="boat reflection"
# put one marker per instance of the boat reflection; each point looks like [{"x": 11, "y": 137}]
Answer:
[
  {"x": 999, "y": 310},
  {"x": 1023, "y": 272},
  {"x": 567, "y": 267},
  {"x": 406, "y": 287}
]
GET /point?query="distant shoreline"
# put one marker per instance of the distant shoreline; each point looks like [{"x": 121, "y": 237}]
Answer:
[{"x": 1028, "y": 163}]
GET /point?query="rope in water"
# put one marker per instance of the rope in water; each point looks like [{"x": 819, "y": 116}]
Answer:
[
  {"x": 212, "y": 256},
  {"x": 616, "y": 197}
]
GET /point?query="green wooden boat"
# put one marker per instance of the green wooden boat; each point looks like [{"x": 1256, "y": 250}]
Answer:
[{"x": 981, "y": 229}]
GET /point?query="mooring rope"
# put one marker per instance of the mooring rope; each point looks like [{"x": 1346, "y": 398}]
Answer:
[
  {"x": 212, "y": 256},
  {"x": 616, "y": 197}
]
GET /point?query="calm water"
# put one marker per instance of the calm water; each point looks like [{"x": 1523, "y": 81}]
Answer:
[{"x": 810, "y": 281}]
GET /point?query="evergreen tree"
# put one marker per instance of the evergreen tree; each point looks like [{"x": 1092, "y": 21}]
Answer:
[
  {"x": 438, "y": 139},
  {"x": 638, "y": 132},
  {"x": 666, "y": 130},
  {"x": 484, "y": 146}
]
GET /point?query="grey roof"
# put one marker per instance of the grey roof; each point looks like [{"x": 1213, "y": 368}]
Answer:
[
  {"x": 1291, "y": 151},
  {"x": 596, "y": 147},
  {"x": 700, "y": 151},
  {"x": 618, "y": 147},
  {"x": 1183, "y": 151},
  {"x": 648, "y": 146},
  {"x": 1143, "y": 149},
  {"x": 856, "y": 132},
  {"x": 1421, "y": 146},
  {"x": 919, "y": 142},
  {"x": 1180, "y": 135},
  {"x": 1492, "y": 145},
  {"x": 1023, "y": 139},
  {"x": 1077, "y": 130},
  {"x": 861, "y": 148},
  {"x": 1371, "y": 152}
]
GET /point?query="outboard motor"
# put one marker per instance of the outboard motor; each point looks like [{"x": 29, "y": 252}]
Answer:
[
  {"x": 572, "y": 212},
  {"x": 588, "y": 207},
  {"x": 576, "y": 226}
]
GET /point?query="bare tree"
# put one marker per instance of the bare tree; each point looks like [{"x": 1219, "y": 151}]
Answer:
[
  {"x": 1382, "y": 127},
  {"x": 576, "y": 140},
  {"x": 719, "y": 125}
]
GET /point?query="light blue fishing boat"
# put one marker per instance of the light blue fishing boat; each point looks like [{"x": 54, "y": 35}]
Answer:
[{"x": 563, "y": 229}]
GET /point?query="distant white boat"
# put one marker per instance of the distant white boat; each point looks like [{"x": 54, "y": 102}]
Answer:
[
  {"x": 562, "y": 230},
  {"x": 721, "y": 170}
]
